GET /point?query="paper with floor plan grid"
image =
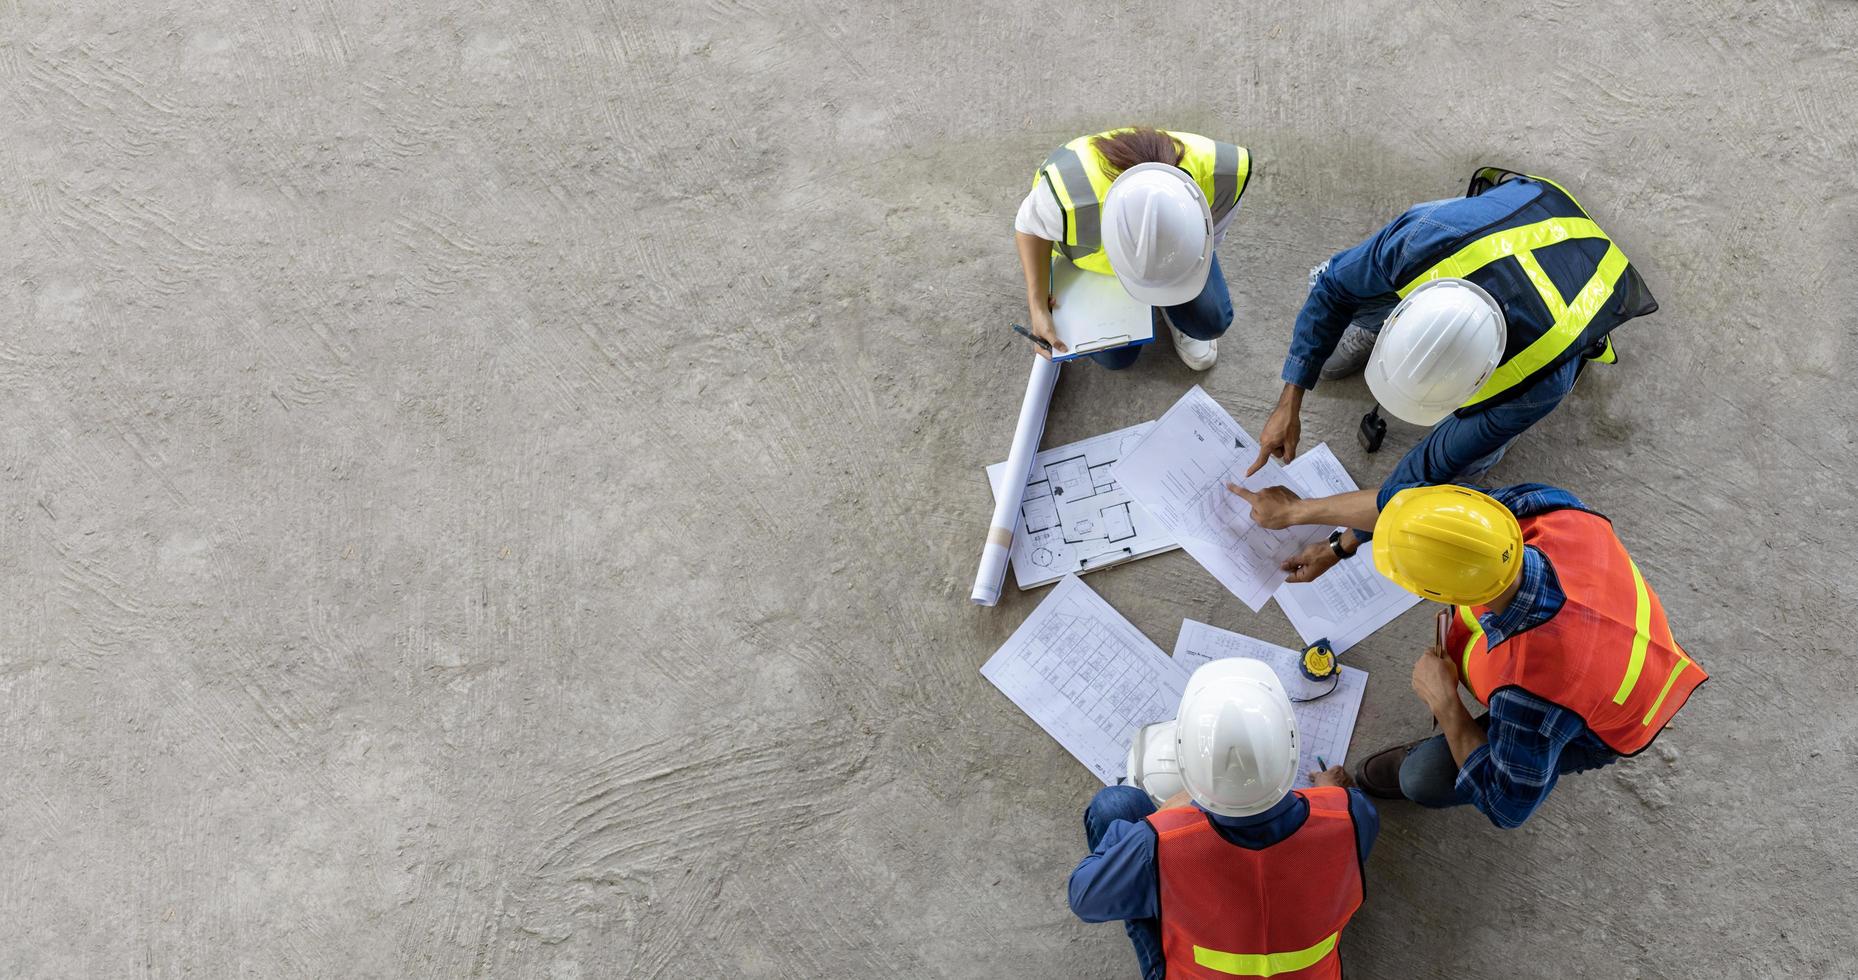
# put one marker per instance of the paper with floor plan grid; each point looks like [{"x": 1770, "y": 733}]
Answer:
[
  {"x": 1352, "y": 599},
  {"x": 1179, "y": 474},
  {"x": 1324, "y": 727},
  {"x": 1074, "y": 517},
  {"x": 1086, "y": 676}
]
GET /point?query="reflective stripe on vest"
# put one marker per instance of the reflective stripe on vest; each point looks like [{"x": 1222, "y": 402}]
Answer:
[
  {"x": 1075, "y": 174},
  {"x": 1585, "y": 658},
  {"x": 1571, "y": 319},
  {"x": 1310, "y": 883},
  {"x": 1264, "y": 964}
]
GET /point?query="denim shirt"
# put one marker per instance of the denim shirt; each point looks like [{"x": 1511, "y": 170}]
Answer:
[{"x": 1371, "y": 273}]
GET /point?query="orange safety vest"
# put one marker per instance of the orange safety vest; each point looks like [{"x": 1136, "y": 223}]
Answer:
[
  {"x": 1228, "y": 911},
  {"x": 1607, "y": 656}
]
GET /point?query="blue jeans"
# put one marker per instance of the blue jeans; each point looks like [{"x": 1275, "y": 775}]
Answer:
[
  {"x": 1113, "y": 803},
  {"x": 1429, "y": 774},
  {"x": 1204, "y": 317}
]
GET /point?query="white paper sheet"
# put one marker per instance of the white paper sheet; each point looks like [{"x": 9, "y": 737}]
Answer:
[
  {"x": 1179, "y": 474},
  {"x": 1026, "y": 434},
  {"x": 1324, "y": 727},
  {"x": 1086, "y": 676},
  {"x": 1074, "y": 517},
  {"x": 1352, "y": 599}
]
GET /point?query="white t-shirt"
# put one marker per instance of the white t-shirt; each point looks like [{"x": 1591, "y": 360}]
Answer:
[{"x": 1040, "y": 216}]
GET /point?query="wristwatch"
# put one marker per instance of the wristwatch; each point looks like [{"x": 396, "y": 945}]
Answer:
[{"x": 1335, "y": 544}]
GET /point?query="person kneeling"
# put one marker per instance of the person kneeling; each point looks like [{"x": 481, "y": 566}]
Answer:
[{"x": 1187, "y": 878}]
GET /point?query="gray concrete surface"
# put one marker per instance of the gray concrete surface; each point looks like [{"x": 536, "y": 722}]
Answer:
[{"x": 491, "y": 490}]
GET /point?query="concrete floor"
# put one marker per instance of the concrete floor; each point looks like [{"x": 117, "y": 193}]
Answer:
[{"x": 492, "y": 490}]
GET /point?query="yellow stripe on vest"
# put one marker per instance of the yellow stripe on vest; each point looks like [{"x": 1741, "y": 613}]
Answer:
[
  {"x": 1477, "y": 633},
  {"x": 1682, "y": 662},
  {"x": 1264, "y": 964},
  {"x": 1641, "y": 638}
]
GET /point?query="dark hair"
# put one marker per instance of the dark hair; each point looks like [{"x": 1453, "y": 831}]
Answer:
[{"x": 1127, "y": 147}]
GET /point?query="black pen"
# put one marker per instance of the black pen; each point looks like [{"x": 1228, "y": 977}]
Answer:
[{"x": 1029, "y": 335}]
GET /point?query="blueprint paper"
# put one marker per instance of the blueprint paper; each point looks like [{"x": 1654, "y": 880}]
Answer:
[
  {"x": 1352, "y": 599},
  {"x": 1179, "y": 474},
  {"x": 1324, "y": 727},
  {"x": 1073, "y": 517},
  {"x": 1087, "y": 677},
  {"x": 1026, "y": 435}
]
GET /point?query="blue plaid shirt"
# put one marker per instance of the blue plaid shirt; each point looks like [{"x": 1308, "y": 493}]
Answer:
[{"x": 1532, "y": 740}]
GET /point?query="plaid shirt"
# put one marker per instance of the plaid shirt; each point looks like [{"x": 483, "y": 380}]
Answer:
[{"x": 1532, "y": 741}]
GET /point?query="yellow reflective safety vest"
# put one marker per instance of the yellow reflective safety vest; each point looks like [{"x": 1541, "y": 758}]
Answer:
[
  {"x": 1074, "y": 173},
  {"x": 1561, "y": 281}
]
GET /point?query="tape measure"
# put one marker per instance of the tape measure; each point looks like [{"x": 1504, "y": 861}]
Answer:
[{"x": 1318, "y": 663}]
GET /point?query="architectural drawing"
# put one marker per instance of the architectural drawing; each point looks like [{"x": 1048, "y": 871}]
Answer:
[{"x": 1074, "y": 517}]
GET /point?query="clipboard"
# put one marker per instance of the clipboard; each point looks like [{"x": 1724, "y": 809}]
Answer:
[{"x": 1095, "y": 313}]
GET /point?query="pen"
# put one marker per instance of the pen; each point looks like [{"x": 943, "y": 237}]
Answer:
[
  {"x": 1320, "y": 762},
  {"x": 1029, "y": 335}
]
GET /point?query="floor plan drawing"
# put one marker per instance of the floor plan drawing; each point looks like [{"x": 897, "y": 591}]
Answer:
[
  {"x": 1074, "y": 517},
  {"x": 1088, "y": 677}
]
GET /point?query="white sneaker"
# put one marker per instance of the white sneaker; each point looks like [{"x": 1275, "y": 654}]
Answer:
[
  {"x": 1351, "y": 354},
  {"x": 1196, "y": 354}
]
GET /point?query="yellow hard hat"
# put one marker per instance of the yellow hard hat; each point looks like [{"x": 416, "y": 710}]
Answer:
[{"x": 1448, "y": 543}]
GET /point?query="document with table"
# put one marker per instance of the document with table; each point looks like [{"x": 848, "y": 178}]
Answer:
[
  {"x": 1179, "y": 472},
  {"x": 1087, "y": 677},
  {"x": 1324, "y": 726},
  {"x": 1352, "y": 599}
]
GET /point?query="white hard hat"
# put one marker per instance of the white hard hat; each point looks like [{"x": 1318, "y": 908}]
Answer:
[
  {"x": 1152, "y": 766},
  {"x": 1235, "y": 738},
  {"x": 1436, "y": 350},
  {"x": 1158, "y": 233}
]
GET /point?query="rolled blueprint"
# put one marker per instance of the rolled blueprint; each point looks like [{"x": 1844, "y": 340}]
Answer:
[{"x": 1026, "y": 437}]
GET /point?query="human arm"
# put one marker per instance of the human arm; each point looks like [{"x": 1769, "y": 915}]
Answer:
[
  {"x": 1508, "y": 778},
  {"x": 1035, "y": 264},
  {"x": 1117, "y": 880},
  {"x": 1339, "y": 288},
  {"x": 1435, "y": 680},
  {"x": 1277, "y": 508}
]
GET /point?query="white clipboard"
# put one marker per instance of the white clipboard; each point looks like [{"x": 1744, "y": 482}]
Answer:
[{"x": 1094, "y": 312}]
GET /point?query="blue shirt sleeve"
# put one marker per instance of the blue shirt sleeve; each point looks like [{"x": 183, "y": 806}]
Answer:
[
  {"x": 1367, "y": 823},
  {"x": 1510, "y": 777},
  {"x": 1117, "y": 880},
  {"x": 1350, "y": 279}
]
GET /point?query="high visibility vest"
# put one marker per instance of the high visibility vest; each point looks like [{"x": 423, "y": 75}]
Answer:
[
  {"x": 1075, "y": 175},
  {"x": 1227, "y": 911},
  {"x": 1519, "y": 260},
  {"x": 1607, "y": 656}
]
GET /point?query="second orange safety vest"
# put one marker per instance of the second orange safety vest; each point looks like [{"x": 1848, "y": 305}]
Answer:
[
  {"x": 1607, "y": 656},
  {"x": 1231, "y": 911}
]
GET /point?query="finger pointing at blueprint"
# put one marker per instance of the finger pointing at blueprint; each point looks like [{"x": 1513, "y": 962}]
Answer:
[{"x": 1179, "y": 474}]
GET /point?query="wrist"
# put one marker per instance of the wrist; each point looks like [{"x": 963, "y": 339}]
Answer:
[{"x": 1291, "y": 398}]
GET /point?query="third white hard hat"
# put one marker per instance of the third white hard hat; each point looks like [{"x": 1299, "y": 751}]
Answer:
[
  {"x": 1236, "y": 738},
  {"x": 1158, "y": 233},
  {"x": 1436, "y": 350}
]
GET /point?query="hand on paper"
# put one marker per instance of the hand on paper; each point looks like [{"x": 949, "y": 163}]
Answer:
[
  {"x": 1332, "y": 776},
  {"x": 1435, "y": 679},
  {"x": 1281, "y": 431},
  {"x": 1306, "y": 565},
  {"x": 1273, "y": 508},
  {"x": 1043, "y": 328}
]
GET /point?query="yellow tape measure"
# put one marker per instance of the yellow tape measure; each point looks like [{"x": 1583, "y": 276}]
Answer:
[{"x": 1318, "y": 663}]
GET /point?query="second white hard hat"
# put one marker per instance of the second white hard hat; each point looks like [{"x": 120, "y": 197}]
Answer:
[
  {"x": 1436, "y": 350},
  {"x": 1236, "y": 738},
  {"x": 1158, "y": 234},
  {"x": 1152, "y": 767}
]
